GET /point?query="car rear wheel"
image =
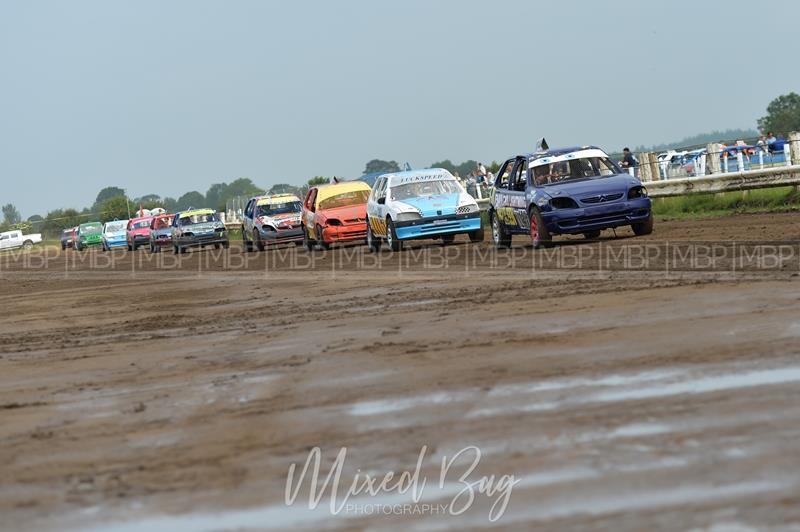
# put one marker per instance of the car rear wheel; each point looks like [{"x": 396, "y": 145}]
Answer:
[
  {"x": 248, "y": 245},
  {"x": 448, "y": 239},
  {"x": 307, "y": 242},
  {"x": 540, "y": 236},
  {"x": 476, "y": 236},
  {"x": 391, "y": 236},
  {"x": 643, "y": 228},
  {"x": 373, "y": 242},
  {"x": 591, "y": 235},
  {"x": 500, "y": 238},
  {"x": 321, "y": 239}
]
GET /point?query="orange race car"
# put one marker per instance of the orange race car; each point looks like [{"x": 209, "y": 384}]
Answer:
[{"x": 335, "y": 213}]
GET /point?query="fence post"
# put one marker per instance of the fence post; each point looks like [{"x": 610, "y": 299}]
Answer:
[
  {"x": 712, "y": 159},
  {"x": 700, "y": 165},
  {"x": 740, "y": 160},
  {"x": 646, "y": 169},
  {"x": 787, "y": 153},
  {"x": 794, "y": 146}
]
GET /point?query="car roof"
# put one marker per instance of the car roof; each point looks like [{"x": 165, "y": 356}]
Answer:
[
  {"x": 272, "y": 199},
  {"x": 140, "y": 218},
  {"x": 90, "y": 223},
  {"x": 557, "y": 152},
  {"x": 327, "y": 191},
  {"x": 196, "y": 212},
  {"x": 411, "y": 176}
]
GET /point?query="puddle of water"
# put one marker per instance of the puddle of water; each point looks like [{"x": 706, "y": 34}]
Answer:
[
  {"x": 387, "y": 406},
  {"x": 707, "y": 384}
]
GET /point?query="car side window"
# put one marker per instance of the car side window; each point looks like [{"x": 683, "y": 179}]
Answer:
[
  {"x": 503, "y": 174},
  {"x": 519, "y": 176},
  {"x": 248, "y": 210},
  {"x": 384, "y": 186},
  {"x": 312, "y": 200}
]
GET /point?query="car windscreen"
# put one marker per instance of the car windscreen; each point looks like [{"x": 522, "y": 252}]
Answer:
[
  {"x": 272, "y": 209},
  {"x": 199, "y": 219},
  {"x": 161, "y": 223},
  {"x": 114, "y": 227},
  {"x": 91, "y": 229},
  {"x": 573, "y": 169},
  {"x": 424, "y": 188},
  {"x": 144, "y": 224},
  {"x": 345, "y": 199}
]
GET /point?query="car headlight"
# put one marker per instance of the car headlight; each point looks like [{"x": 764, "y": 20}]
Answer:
[
  {"x": 637, "y": 192},
  {"x": 563, "y": 203},
  {"x": 408, "y": 217}
]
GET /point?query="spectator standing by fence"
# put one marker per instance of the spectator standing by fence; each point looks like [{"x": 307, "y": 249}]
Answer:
[{"x": 628, "y": 160}]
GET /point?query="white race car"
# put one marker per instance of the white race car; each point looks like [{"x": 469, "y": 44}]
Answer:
[{"x": 420, "y": 204}]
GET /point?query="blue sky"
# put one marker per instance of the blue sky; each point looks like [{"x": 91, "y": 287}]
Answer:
[{"x": 171, "y": 95}]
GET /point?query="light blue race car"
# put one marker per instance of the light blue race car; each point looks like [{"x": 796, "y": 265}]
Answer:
[{"x": 420, "y": 204}]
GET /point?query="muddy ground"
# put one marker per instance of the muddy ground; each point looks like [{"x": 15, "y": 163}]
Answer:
[{"x": 628, "y": 384}]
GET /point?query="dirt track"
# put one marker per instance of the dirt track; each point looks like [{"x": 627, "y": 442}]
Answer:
[{"x": 629, "y": 383}]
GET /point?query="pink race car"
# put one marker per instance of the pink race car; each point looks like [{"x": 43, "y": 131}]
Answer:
[{"x": 138, "y": 232}]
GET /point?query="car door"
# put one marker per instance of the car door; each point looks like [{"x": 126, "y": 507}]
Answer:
[
  {"x": 309, "y": 211},
  {"x": 5, "y": 241},
  {"x": 248, "y": 219},
  {"x": 518, "y": 221},
  {"x": 501, "y": 200},
  {"x": 376, "y": 207}
]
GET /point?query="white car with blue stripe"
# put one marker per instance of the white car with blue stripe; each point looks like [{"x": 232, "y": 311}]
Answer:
[{"x": 418, "y": 204}]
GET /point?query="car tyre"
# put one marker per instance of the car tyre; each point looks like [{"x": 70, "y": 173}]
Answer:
[
  {"x": 391, "y": 236},
  {"x": 476, "y": 236},
  {"x": 500, "y": 238},
  {"x": 540, "y": 236},
  {"x": 373, "y": 242},
  {"x": 248, "y": 245},
  {"x": 307, "y": 242},
  {"x": 216, "y": 246},
  {"x": 257, "y": 239},
  {"x": 643, "y": 228},
  {"x": 592, "y": 235},
  {"x": 320, "y": 239},
  {"x": 448, "y": 239},
  {"x": 226, "y": 244}
]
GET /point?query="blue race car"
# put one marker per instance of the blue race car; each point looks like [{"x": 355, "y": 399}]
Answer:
[
  {"x": 114, "y": 235},
  {"x": 420, "y": 204},
  {"x": 569, "y": 191}
]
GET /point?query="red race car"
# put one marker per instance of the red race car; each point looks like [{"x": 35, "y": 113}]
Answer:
[
  {"x": 138, "y": 232},
  {"x": 335, "y": 213}
]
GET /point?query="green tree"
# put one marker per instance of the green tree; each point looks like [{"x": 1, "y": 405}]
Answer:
[
  {"x": 283, "y": 188},
  {"x": 60, "y": 219},
  {"x": 116, "y": 208},
  {"x": 35, "y": 218},
  {"x": 216, "y": 194},
  {"x": 170, "y": 204},
  {"x": 378, "y": 166},
  {"x": 783, "y": 115},
  {"x": 108, "y": 193},
  {"x": 148, "y": 198},
  {"x": 11, "y": 215},
  {"x": 191, "y": 199},
  {"x": 447, "y": 164}
]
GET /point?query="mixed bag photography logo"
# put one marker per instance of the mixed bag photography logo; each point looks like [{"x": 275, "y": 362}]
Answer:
[{"x": 450, "y": 486}]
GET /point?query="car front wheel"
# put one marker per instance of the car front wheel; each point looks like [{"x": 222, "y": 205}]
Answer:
[
  {"x": 307, "y": 242},
  {"x": 500, "y": 238},
  {"x": 391, "y": 236},
  {"x": 321, "y": 239},
  {"x": 643, "y": 228},
  {"x": 373, "y": 243},
  {"x": 540, "y": 236}
]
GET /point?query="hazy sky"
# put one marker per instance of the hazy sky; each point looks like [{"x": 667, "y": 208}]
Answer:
[{"x": 166, "y": 96}]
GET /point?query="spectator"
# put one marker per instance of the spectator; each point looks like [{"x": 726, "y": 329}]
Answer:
[
  {"x": 481, "y": 169},
  {"x": 762, "y": 144},
  {"x": 628, "y": 160}
]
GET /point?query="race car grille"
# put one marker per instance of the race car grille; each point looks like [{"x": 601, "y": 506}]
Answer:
[
  {"x": 465, "y": 209},
  {"x": 355, "y": 220},
  {"x": 602, "y": 198}
]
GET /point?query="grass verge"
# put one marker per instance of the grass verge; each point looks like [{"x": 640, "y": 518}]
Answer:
[{"x": 779, "y": 199}]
